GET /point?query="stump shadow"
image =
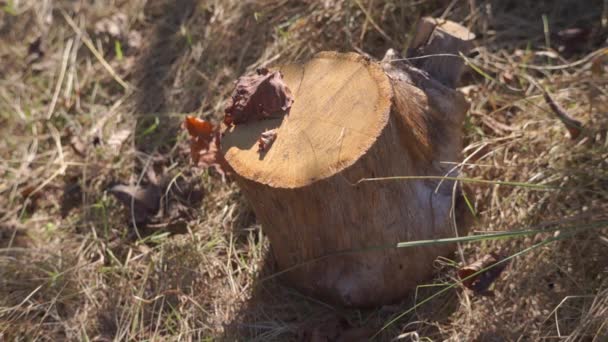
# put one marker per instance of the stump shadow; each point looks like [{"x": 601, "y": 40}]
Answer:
[
  {"x": 245, "y": 137},
  {"x": 276, "y": 311},
  {"x": 155, "y": 128},
  {"x": 182, "y": 68}
]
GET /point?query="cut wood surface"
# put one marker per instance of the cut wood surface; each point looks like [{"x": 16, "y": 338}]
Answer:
[
  {"x": 353, "y": 119},
  {"x": 343, "y": 104}
]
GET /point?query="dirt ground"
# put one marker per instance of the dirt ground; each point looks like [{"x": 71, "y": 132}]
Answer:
[{"x": 92, "y": 97}]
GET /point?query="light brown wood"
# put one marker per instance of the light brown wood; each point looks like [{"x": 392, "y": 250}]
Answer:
[
  {"x": 352, "y": 119},
  {"x": 343, "y": 104},
  {"x": 436, "y": 46}
]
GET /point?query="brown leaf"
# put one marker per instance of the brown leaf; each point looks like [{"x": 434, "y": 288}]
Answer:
[
  {"x": 573, "y": 126},
  {"x": 75, "y": 142},
  {"x": 213, "y": 157},
  {"x": 509, "y": 77},
  {"x": 27, "y": 190},
  {"x": 480, "y": 283},
  {"x": 266, "y": 139},
  {"x": 168, "y": 201},
  {"x": 201, "y": 134},
  {"x": 205, "y": 145},
  {"x": 257, "y": 97},
  {"x": 117, "y": 138},
  {"x": 35, "y": 51},
  {"x": 135, "y": 39},
  {"x": 78, "y": 146},
  {"x": 113, "y": 26},
  {"x": 199, "y": 128},
  {"x": 572, "y": 40},
  {"x": 145, "y": 200}
]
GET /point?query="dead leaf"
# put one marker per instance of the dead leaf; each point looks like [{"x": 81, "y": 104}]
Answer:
[
  {"x": 144, "y": 199},
  {"x": 480, "y": 283},
  {"x": 509, "y": 77},
  {"x": 27, "y": 190},
  {"x": 113, "y": 26},
  {"x": 201, "y": 134},
  {"x": 180, "y": 202},
  {"x": 213, "y": 157},
  {"x": 75, "y": 142},
  {"x": 135, "y": 40},
  {"x": 572, "y": 40},
  {"x": 115, "y": 29},
  {"x": 118, "y": 138},
  {"x": 199, "y": 128},
  {"x": 78, "y": 146},
  {"x": 470, "y": 90},
  {"x": 258, "y": 96},
  {"x": 205, "y": 145},
  {"x": 573, "y": 126},
  {"x": 168, "y": 202},
  {"x": 266, "y": 140},
  {"x": 35, "y": 51}
]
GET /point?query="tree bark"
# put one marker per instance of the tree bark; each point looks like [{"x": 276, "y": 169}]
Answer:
[{"x": 352, "y": 119}]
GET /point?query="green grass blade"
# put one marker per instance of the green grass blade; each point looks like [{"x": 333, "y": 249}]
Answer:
[
  {"x": 461, "y": 179},
  {"x": 420, "y": 243},
  {"x": 454, "y": 284}
]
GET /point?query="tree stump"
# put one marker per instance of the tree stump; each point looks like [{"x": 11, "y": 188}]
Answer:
[{"x": 352, "y": 119}]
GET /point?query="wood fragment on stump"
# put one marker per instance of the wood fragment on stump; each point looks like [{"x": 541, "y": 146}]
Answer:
[{"x": 436, "y": 47}]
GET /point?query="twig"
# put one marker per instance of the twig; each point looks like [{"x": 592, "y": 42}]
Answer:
[
  {"x": 575, "y": 127},
  {"x": 94, "y": 51},
  {"x": 64, "y": 66},
  {"x": 574, "y": 64},
  {"x": 364, "y": 29},
  {"x": 371, "y": 20},
  {"x": 448, "y": 9}
]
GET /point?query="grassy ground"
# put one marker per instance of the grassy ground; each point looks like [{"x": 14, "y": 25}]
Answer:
[{"x": 93, "y": 93}]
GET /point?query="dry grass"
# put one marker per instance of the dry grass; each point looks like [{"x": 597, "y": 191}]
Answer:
[{"x": 72, "y": 267}]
